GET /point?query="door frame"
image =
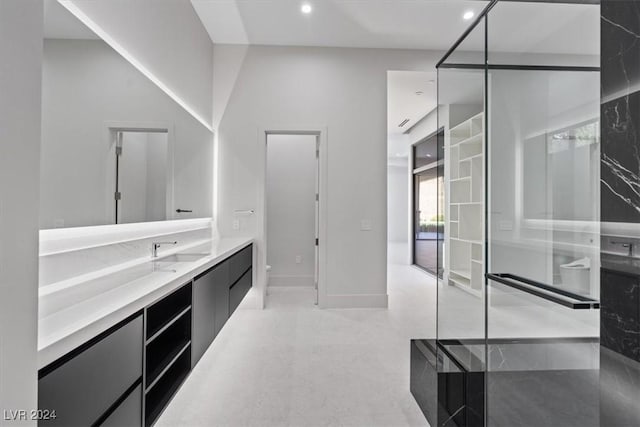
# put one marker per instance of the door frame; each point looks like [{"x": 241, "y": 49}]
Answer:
[
  {"x": 414, "y": 220},
  {"x": 322, "y": 212},
  {"x": 110, "y": 131}
]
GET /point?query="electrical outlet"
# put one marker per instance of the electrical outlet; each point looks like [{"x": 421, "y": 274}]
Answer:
[
  {"x": 58, "y": 223},
  {"x": 298, "y": 259},
  {"x": 236, "y": 224},
  {"x": 365, "y": 225}
]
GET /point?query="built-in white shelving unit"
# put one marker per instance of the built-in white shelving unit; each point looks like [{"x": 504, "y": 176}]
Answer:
[{"x": 466, "y": 205}]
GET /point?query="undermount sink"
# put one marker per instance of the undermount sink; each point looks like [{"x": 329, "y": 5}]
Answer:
[{"x": 181, "y": 258}]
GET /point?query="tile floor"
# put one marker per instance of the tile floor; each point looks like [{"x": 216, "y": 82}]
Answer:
[{"x": 295, "y": 365}]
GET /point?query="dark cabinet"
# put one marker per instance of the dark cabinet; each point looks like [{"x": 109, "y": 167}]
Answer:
[
  {"x": 239, "y": 290},
  {"x": 239, "y": 264},
  {"x": 128, "y": 413},
  {"x": 209, "y": 289},
  {"x": 85, "y": 386},
  {"x": 221, "y": 303},
  {"x": 216, "y": 294},
  {"x": 168, "y": 349},
  {"x": 102, "y": 383}
]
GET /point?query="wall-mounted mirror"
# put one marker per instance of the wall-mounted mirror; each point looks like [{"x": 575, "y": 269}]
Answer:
[{"x": 115, "y": 147}]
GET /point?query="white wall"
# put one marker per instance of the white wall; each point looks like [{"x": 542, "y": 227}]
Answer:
[
  {"x": 85, "y": 85},
  {"x": 400, "y": 188},
  {"x": 167, "y": 38},
  {"x": 345, "y": 91},
  {"x": 20, "y": 80},
  {"x": 398, "y": 201},
  {"x": 425, "y": 127},
  {"x": 291, "y": 209}
]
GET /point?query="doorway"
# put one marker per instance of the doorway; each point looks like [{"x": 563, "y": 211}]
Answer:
[
  {"x": 141, "y": 176},
  {"x": 292, "y": 210},
  {"x": 428, "y": 202}
]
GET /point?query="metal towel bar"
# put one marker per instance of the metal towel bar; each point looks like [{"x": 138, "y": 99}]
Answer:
[{"x": 550, "y": 293}]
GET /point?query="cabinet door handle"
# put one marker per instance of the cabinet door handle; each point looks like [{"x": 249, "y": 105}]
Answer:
[{"x": 183, "y": 210}]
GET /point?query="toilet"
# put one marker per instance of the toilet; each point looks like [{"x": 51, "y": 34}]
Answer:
[{"x": 575, "y": 276}]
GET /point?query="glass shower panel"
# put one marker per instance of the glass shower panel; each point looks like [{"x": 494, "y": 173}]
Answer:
[
  {"x": 543, "y": 198},
  {"x": 544, "y": 34},
  {"x": 461, "y": 296}
]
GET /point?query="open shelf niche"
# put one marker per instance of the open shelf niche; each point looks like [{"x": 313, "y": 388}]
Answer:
[{"x": 465, "y": 241}]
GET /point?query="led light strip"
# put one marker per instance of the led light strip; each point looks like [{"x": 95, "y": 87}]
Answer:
[{"x": 93, "y": 26}]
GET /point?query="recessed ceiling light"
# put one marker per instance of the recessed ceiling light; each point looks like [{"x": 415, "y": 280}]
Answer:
[
  {"x": 306, "y": 8},
  {"x": 428, "y": 155},
  {"x": 419, "y": 92},
  {"x": 468, "y": 15},
  {"x": 431, "y": 81}
]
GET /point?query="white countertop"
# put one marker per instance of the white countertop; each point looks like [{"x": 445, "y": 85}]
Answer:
[{"x": 64, "y": 330}]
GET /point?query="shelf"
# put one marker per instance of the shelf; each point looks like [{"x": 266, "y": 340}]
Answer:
[
  {"x": 473, "y": 242},
  {"x": 471, "y": 139},
  {"x": 157, "y": 398},
  {"x": 468, "y": 289},
  {"x": 460, "y": 191},
  {"x": 168, "y": 325},
  {"x": 165, "y": 348},
  {"x": 477, "y": 252},
  {"x": 453, "y": 213},
  {"x": 471, "y": 227},
  {"x": 462, "y": 273},
  {"x": 464, "y": 169},
  {"x": 468, "y": 151},
  {"x": 166, "y": 364},
  {"x": 466, "y": 207},
  {"x": 163, "y": 312},
  {"x": 468, "y": 123}
]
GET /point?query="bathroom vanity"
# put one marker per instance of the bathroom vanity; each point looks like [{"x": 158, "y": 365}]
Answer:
[{"x": 118, "y": 358}]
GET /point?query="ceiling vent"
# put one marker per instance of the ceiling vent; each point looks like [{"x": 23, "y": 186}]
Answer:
[{"x": 404, "y": 122}]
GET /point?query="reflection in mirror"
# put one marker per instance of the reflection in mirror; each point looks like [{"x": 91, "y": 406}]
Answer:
[
  {"x": 141, "y": 176},
  {"x": 91, "y": 96}
]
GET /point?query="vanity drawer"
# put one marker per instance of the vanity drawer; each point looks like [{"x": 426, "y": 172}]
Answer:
[
  {"x": 210, "y": 307},
  {"x": 128, "y": 413},
  {"x": 239, "y": 290},
  {"x": 84, "y": 387},
  {"x": 239, "y": 263}
]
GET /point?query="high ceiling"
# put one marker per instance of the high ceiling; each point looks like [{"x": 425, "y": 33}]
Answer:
[{"x": 406, "y": 24}]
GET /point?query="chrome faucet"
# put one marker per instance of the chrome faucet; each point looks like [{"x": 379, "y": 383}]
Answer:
[{"x": 156, "y": 245}]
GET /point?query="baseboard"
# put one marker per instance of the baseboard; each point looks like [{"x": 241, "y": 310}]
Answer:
[
  {"x": 358, "y": 301},
  {"x": 293, "y": 281}
]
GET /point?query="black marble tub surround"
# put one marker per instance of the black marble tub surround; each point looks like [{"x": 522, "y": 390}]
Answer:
[
  {"x": 620, "y": 313},
  {"x": 446, "y": 390},
  {"x": 620, "y": 155},
  {"x": 620, "y": 203},
  {"x": 620, "y": 110},
  {"x": 620, "y": 47}
]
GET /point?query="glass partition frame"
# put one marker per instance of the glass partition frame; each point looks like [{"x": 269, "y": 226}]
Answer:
[{"x": 476, "y": 353}]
